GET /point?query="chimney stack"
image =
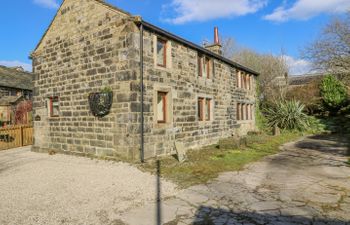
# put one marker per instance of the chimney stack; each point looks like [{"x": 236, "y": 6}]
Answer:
[{"x": 216, "y": 47}]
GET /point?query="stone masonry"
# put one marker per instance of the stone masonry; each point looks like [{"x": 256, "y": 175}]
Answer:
[{"x": 91, "y": 45}]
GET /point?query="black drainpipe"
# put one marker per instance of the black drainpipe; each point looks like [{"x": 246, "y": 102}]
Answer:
[{"x": 142, "y": 92}]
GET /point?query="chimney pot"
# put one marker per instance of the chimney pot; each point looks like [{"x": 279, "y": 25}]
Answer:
[{"x": 216, "y": 36}]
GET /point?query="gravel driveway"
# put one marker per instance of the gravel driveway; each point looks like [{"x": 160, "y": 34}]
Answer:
[{"x": 42, "y": 189}]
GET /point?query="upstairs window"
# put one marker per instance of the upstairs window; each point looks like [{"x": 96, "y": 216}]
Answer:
[
  {"x": 205, "y": 66},
  {"x": 244, "y": 81},
  {"x": 161, "y": 52},
  {"x": 199, "y": 65},
  {"x": 162, "y": 107},
  {"x": 54, "y": 107},
  {"x": 239, "y": 81}
]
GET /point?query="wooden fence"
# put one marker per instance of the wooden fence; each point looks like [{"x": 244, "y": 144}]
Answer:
[{"x": 16, "y": 136}]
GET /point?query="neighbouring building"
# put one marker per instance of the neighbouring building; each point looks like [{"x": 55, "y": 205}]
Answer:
[
  {"x": 305, "y": 79},
  {"x": 166, "y": 90},
  {"x": 16, "y": 85}
]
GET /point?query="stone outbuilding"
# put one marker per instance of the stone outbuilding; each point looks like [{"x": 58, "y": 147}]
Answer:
[
  {"x": 16, "y": 85},
  {"x": 166, "y": 90}
]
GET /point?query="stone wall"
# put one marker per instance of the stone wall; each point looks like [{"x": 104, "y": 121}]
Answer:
[
  {"x": 90, "y": 46},
  {"x": 180, "y": 79}
]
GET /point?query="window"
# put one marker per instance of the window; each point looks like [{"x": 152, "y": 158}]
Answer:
[
  {"x": 13, "y": 93},
  {"x": 204, "y": 109},
  {"x": 205, "y": 66},
  {"x": 244, "y": 81},
  {"x": 199, "y": 65},
  {"x": 200, "y": 109},
  {"x": 54, "y": 107},
  {"x": 244, "y": 111},
  {"x": 161, "y": 52},
  {"x": 208, "y": 110},
  {"x": 238, "y": 111},
  {"x": 247, "y": 117},
  {"x": 162, "y": 107},
  {"x": 251, "y": 109},
  {"x": 239, "y": 83}
]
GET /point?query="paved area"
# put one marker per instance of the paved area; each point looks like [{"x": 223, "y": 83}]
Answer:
[
  {"x": 307, "y": 183},
  {"x": 42, "y": 189}
]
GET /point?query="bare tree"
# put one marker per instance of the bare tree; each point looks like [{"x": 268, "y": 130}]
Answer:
[
  {"x": 273, "y": 71},
  {"x": 330, "y": 52},
  {"x": 229, "y": 47}
]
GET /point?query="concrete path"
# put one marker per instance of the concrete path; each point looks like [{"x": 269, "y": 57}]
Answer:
[
  {"x": 307, "y": 183},
  {"x": 39, "y": 189}
]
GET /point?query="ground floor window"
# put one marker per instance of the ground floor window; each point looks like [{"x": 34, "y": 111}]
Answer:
[
  {"x": 162, "y": 107},
  {"x": 54, "y": 106},
  {"x": 244, "y": 111},
  {"x": 204, "y": 109}
]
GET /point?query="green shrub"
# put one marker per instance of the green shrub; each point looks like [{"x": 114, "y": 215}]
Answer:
[
  {"x": 316, "y": 125},
  {"x": 287, "y": 115},
  {"x": 333, "y": 93},
  {"x": 261, "y": 121}
]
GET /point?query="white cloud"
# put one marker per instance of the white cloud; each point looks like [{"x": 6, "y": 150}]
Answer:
[
  {"x": 306, "y": 9},
  {"x": 25, "y": 66},
  {"x": 183, "y": 11},
  {"x": 52, "y": 4},
  {"x": 298, "y": 66}
]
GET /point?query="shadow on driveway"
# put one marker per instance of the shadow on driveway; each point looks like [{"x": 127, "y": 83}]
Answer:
[
  {"x": 213, "y": 216},
  {"x": 331, "y": 144}
]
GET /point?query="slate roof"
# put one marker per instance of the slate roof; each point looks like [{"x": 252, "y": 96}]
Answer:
[
  {"x": 8, "y": 100},
  {"x": 15, "y": 78}
]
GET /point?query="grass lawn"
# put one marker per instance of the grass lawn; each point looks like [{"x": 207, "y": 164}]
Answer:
[{"x": 206, "y": 163}]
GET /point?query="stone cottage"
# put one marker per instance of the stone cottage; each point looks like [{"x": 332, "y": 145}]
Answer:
[
  {"x": 166, "y": 90},
  {"x": 16, "y": 85}
]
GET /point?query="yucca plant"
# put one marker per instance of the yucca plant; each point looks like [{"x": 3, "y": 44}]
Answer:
[{"x": 287, "y": 115}]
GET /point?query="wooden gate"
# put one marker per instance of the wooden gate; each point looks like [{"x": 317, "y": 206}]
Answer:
[{"x": 16, "y": 136}]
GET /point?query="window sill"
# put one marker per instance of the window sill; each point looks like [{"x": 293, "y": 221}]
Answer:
[
  {"x": 207, "y": 122},
  {"x": 162, "y": 125},
  {"x": 205, "y": 78},
  {"x": 245, "y": 121},
  {"x": 243, "y": 89},
  {"x": 167, "y": 68}
]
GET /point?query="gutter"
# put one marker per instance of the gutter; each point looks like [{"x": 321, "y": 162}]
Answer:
[{"x": 142, "y": 153}]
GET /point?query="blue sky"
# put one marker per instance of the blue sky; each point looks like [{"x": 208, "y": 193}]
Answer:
[{"x": 266, "y": 26}]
